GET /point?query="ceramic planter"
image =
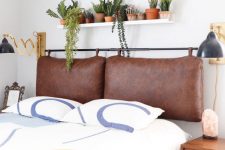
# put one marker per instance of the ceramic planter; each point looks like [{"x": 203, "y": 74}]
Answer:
[
  {"x": 140, "y": 16},
  {"x": 89, "y": 20},
  {"x": 82, "y": 19},
  {"x": 99, "y": 17},
  {"x": 131, "y": 17},
  {"x": 152, "y": 13},
  {"x": 165, "y": 15},
  {"x": 109, "y": 19},
  {"x": 62, "y": 22}
]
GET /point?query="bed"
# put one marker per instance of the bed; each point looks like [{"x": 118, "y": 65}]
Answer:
[
  {"x": 175, "y": 85},
  {"x": 30, "y": 133}
]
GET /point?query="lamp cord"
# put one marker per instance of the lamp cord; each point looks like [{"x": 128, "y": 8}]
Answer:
[{"x": 216, "y": 84}]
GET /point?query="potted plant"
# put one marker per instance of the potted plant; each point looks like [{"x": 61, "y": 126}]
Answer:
[
  {"x": 71, "y": 16},
  {"x": 62, "y": 11},
  {"x": 99, "y": 10},
  {"x": 165, "y": 12},
  {"x": 120, "y": 17},
  {"x": 82, "y": 16},
  {"x": 89, "y": 17},
  {"x": 140, "y": 15},
  {"x": 131, "y": 13},
  {"x": 153, "y": 11},
  {"x": 109, "y": 9}
]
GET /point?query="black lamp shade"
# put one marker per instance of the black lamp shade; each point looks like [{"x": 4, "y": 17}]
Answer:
[
  {"x": 5, "y": 47},
  {"x": 210, "y": 48}
]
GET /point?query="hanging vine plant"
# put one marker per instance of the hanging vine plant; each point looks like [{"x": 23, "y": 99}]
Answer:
[
  {"x": 120, "y": 16},
  {"x": 71, "y": 18},
  {"x": 72, "y": 26}
]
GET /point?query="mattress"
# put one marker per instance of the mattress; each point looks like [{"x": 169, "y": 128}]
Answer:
[
  {"x": 23, "y": 121},
  {"x": 23, "y": 133}
]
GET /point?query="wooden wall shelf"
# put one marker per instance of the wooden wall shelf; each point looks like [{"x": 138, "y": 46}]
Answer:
[{"x": 139, "y": 22}]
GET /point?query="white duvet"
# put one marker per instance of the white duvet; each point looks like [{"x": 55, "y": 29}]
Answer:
[{"x": 160, "y": 135}]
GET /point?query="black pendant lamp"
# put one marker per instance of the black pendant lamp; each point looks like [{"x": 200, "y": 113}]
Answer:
[
  {"x": 210, "y": 48},
  {"x": 5, "y": 47}
]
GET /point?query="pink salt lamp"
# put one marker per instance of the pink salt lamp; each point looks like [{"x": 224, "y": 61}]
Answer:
[{"x": 210, "y": 124}]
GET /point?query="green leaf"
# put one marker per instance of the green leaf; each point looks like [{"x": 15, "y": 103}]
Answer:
[
  {"x": 165, "y": 5},
  {"x": 72, "y": 26},
  {"x": 120, "y": 15},
  {"x": 62, "y": 9},
  {"x": 153, "y": 3},
  {"x": 52, "y": 14},
  {"x": 98, "y": 8}
]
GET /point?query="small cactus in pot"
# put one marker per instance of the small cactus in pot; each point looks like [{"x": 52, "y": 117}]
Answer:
[
  {"x": 89, "y": 17},
  {"x": 165, "y": 12},
  {"x": 153, "y": 11},
  {"x": 131, "y": 13}
]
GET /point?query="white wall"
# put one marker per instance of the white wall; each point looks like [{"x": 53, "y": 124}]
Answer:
[
  {"x": 9, "y": 15},
  {"x": 8, "y": 73},
  {"x": 192, "y": 19}
]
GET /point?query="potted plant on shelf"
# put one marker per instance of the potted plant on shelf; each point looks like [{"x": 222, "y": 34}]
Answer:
[
  {"x": 120, "y": 17},
  {"x": 165, "y": 12},
  {"x": 140, "y": 15},
  {"x": 62, "y": 11},
  {"x": 109, "y": 9},
  {"x": 99, "y": 10},
  {"x": 153, "y": 11},
  {"x": 82, "y": 17},
  {"x": 131, "y": 13},
  {"x": 71, "y": 20},
  {"x": 89, "y": 17}
]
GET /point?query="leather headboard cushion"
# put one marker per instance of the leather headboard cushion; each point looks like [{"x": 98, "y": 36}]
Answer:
[
  {"x": 175, "y": 85},
  {"x": 85, "y": 81}
]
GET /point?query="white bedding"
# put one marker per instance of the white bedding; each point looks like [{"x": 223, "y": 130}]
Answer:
[{"x": 160, "y": 135}]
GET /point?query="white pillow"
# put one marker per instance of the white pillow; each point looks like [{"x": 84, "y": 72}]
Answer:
[
  {"x": 118, "y": 114},
  {"x": 47, "y": 108}
]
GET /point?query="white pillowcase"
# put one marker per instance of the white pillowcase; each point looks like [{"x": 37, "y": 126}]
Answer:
[
  {"x": 47, "y": 108},
  {"x": 118, "y": 114}
]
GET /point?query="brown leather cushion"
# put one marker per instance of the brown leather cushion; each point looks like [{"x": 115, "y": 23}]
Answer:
[
  {"x": 174, "y": 85},
  {"x": 83, "y": 83}
]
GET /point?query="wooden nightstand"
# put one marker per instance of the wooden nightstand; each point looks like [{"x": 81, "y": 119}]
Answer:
[{"x": 204, "y": 144}]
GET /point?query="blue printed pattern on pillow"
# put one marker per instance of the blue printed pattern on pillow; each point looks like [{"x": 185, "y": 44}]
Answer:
[
  {"x": 124, "y": 127},
  {"x": 35, "y": 114},
  {"x": 81, "y": 115},
  {"x": 18, "y": 108}
]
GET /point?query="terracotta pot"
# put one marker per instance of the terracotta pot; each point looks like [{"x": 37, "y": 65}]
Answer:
[
  {"x": 99, "y": 17},
  {"x": 152, "y": 13},
  {"x": 109, "y": 19},
  {"x": 62, "y": 22},
  {"x": 82, "y": 19},
  {"x": 89, "y": 20},
  {"x": 131, "y": 17},
  {"x": 141, "y": 17},
  {"x": 165, "y": 15}
]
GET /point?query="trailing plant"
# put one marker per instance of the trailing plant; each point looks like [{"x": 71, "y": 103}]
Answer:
[
  {"x": 72, "y": 25},
  {"x": 120, "y": 16},
  {"x": 99, "y": 8},
  {"x": 109, "y": 8},
  {"x": 165, "y": 5},
  {"x": 153, "y": 3},
  {"x": 62, "y": 9},
  {"x": 71, "y": 14}
]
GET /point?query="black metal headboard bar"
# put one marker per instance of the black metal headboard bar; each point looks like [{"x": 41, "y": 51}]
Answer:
[
  {"x": 130, "y": 49},
  {"x": 190, "y": 49}
]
